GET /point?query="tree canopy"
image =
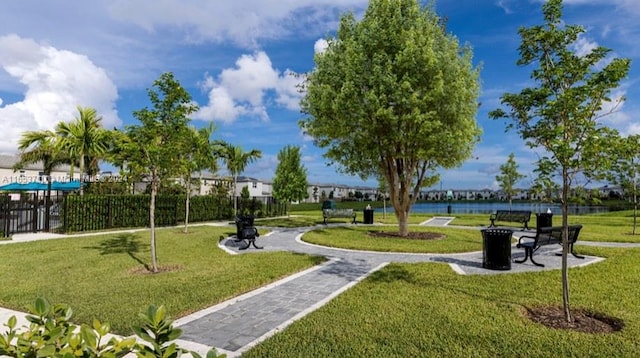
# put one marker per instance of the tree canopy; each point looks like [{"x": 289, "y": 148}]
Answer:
[
  {"x": 509, "y": 177},
  {"x": 290, "y": 180},
  {"x": 393, "y": 95}
]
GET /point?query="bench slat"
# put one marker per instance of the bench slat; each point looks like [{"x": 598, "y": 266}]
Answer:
[{"x": 520, "y": 216}]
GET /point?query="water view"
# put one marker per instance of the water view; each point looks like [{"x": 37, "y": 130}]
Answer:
[{"x": 488, "y": 208}]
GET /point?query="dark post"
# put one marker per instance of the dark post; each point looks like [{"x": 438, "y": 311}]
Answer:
[{"x": 449, "y": 198}]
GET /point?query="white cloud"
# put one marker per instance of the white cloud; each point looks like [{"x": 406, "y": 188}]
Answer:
[
  {"x": 243, "y": 22},
  {"x": 55, "y": 82},
  {"x": 504, "y": 5},
  {"x": 242, "y": 90},
  {"x": 583, "y": 46},
  {"x": 320, "y": 46}
]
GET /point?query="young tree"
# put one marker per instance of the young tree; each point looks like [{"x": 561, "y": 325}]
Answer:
[
  {"x": 393, "y": 95},
  {"x": 150, "y": 151},
  {"x": 236, "y": 160},
  {"x": 509, "y": 177},
  {"x": 290, "y": 180},
  {"x": 561, "y": 114},
  {"x": 625, "y": 171},
  {"x": 197, "y": 154}
]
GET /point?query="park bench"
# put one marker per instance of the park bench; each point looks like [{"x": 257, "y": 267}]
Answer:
[
  {"x": 330, "y": 210},
  {"x": 338, "y": 213},
  {"x": 547, "y": 236},
  {"x": 245, "y": 231},
  {"x": 519, "y": 216}
]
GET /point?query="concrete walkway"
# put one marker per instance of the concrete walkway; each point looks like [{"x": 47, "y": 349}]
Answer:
[{"x": 234, "y": 326}]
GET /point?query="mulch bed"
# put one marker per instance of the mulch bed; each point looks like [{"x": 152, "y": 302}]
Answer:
[
  {"x": 583, "y": 321},
  {"x": 161, "y": 269}
]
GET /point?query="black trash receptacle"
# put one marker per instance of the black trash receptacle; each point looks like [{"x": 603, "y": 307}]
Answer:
[
  {"x": 544, "y": 220},
  {"x": 496, "y": 249},
  {"x": 368, "y": 216}
]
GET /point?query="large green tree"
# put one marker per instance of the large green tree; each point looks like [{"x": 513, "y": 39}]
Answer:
[
  {"x": 393, "y": 95},
  {"x": 152, "y": 149},
  {"x": 290, "y": 180},
  {"x": 236, "y": 161},
  {"x": 509, "y": 177},
  {"x": 84, "y": 140},
  {"x": 561, "y": 113}
]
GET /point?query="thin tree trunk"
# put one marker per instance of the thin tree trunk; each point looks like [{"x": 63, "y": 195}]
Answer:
[
  {"x": 152, "y": 224},
  {"x": 81, "y": 174},
  {"x": 565, "y": 245},
  {"x": 233, "y": 195},
  {"x": 186, "y": 207}
]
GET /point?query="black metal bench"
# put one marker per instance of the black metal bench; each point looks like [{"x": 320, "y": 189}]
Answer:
[
  {"x": 245, "y": 231},
  {"x": 338, "y": 213},
  {"x": 547, "y": 236},
  {"x": 519, "y": 216}
]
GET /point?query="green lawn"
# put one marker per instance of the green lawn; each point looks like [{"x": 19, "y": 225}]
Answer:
[
  {"x": 426, "y": 310},
  {"x": 104, "y": 277},
  {"x": 357, "y": 237},
  {"x": 403, "y": 310}
]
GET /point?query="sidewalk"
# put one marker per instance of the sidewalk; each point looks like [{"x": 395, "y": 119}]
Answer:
[{"x": 235, "y": 326}]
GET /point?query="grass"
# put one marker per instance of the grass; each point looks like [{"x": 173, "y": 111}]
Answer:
[
  {"x": 104, "y": 277},
  {"x": 356, "y": 237},
  {"x": 426, "y": 310},
  {"x": 403, "y": 310}
]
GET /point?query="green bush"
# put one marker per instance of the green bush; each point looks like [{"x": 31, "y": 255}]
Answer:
[{"x": 51, "y": 334}]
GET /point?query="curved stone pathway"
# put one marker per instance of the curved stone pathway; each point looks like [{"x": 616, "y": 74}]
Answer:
[{"x": 235, "y": 326}]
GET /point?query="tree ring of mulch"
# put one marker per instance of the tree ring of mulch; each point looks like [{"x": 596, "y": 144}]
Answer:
[
  {"x": 583, "y": 321},
  {"x": 414, "y": 235},
  {"x": 161, "y": 269}
]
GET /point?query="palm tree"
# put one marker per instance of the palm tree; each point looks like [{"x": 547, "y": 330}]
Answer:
[
  {"x": 85, "y": 140},
  {"x": 236, "y": 160},
  {"x": 41, "y": 147}
]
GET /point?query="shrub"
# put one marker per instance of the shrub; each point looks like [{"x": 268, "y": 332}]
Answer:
[{"x": 51, "y": 334}]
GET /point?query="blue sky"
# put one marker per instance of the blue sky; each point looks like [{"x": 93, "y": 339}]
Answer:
[{"x": 236, "y": 59}]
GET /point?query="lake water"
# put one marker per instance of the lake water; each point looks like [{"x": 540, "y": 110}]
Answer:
[{"x": 488, "y": 208}]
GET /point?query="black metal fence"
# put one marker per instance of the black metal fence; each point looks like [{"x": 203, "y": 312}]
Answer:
[{"x": 29, "y": 212}]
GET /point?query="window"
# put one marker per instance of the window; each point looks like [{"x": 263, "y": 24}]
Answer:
[{"x": 255, "y": 185}]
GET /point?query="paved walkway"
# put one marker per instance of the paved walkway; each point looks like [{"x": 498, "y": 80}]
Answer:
[{"x": 234, "y": 326}]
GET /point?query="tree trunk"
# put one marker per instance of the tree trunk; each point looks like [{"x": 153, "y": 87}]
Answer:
[
  {"x": 401, "y": 204},
  {"x": 565, "y": 245},
  {"x": 81, "y": 174},
  {"x": 635, "y": 209},
  {"x": 233, "y": 195},
  {"x": 152, "y": 223},
  {"x": 186, "y": 207}
]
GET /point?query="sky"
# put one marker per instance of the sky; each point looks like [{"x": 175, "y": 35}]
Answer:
[{"x": 238, "y": 60}]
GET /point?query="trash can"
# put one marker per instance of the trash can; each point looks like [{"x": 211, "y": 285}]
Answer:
[
  {"x": 368, "y": 216},
  {"x": 496, "y": 249},
  {"x": 544, "y": 220}
]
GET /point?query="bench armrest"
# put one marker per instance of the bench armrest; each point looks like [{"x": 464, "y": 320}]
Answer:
[{"x": 527, "y": 237}]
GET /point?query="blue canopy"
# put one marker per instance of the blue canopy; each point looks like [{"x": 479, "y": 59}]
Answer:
[{"x": 36, "y": 186}]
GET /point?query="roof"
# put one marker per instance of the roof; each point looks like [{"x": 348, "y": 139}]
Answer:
[
  {"x": 8, "y": 161},
  {"x": 36, "y": 186}
]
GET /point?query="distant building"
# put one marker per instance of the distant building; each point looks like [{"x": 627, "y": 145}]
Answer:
[{"x": 32, "y": 172}]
